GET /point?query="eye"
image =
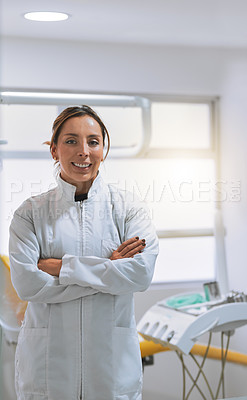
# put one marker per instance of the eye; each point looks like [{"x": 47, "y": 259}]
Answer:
[
  {"x": 71, "y": 141},
  {"x": 94, "y": 142}
]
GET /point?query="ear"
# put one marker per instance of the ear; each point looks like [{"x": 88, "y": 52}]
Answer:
[{"x": 54, "y": 151}]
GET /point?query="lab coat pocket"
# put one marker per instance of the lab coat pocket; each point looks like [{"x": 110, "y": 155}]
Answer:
[
  {"x": 107, "y": 247},
  {"x": 30, "y": 360},
  {"x": 127, "y": 361}
]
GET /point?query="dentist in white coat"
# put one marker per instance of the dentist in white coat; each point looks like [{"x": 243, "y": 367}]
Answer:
[{"x": 78, "y": 253}]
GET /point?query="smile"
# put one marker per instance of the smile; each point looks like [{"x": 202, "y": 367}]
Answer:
[{"x": 81, "y": 165}]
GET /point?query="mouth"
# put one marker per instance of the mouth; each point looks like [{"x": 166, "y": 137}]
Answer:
[{"x": 82, "y": 166}]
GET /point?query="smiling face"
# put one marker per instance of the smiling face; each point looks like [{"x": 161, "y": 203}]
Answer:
[{"x": 79, "y": 150}]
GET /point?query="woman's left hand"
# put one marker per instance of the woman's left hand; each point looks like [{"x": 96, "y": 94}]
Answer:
[{"x": 51, "y": 266}]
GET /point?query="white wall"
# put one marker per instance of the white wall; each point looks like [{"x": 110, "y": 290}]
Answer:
[
  {"x": 111, "y": 67},
  {"x": 166, "y": 70}
]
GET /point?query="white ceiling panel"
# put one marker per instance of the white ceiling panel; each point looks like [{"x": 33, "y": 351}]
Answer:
[{"x": 170, "y": 22}]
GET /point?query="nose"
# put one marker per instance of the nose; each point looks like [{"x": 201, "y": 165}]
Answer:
[{"x": 83, "y": 150}]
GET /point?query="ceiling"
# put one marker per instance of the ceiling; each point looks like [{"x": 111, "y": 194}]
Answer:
[{"x": 218, "y": 23}]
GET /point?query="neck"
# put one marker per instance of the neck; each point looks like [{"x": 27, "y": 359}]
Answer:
[{"x": 81, "y": 187}]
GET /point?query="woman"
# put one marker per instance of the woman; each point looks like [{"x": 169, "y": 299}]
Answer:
[{"x": 77, "y": 258}]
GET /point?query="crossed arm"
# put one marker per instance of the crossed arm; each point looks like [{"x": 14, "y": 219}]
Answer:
[{"x": 127, "y": 249}]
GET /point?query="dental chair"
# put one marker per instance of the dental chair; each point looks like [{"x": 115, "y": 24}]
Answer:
[{"x": 12, "y": 310}]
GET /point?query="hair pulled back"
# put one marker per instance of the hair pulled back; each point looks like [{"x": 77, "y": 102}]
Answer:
[{"x": 77, "y": 111}]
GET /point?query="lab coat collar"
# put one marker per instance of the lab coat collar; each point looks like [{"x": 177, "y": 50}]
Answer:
[{"x": 68, "y": 190}]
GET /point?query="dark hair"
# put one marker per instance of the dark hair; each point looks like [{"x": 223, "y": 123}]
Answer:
[{"x": 77, "y": 111}]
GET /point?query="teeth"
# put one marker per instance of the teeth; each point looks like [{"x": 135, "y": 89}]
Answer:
[{"x": 81, "y": 165}]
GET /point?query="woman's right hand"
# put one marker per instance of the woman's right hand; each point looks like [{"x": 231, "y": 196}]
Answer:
[{"x": 129, "y": 248}]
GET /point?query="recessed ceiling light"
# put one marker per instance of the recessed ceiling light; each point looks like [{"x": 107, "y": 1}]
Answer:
[{"x": 46, "y": 16}]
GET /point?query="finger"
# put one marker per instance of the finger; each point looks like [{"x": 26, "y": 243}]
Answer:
[
  {"x": 127, "y": 243},
  {"x": 134, "y": 250},
  {"x": 41, "y": 267},
  {"x": 132, "y": 246}
]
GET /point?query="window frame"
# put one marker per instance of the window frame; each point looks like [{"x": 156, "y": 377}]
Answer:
[
  {"x": 25, "y": 97},
  {"x": 214, "y": 153}
]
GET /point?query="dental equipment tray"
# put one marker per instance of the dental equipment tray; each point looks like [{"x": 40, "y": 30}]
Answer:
[{"x": 180, "y": 329}]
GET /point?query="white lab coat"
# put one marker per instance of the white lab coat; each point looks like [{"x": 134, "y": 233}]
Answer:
[{"x": 78, "y": 339}]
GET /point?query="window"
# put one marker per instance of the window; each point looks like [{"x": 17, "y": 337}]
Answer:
[
  {"x": 181, "y": 125},
  {"x": 177, "y": 177},
  {"x": 26, "y": 120},
  {"x": 162, "y": 149}
]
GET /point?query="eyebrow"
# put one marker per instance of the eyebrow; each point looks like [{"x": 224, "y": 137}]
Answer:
[{"x": 76, "y": 135}]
